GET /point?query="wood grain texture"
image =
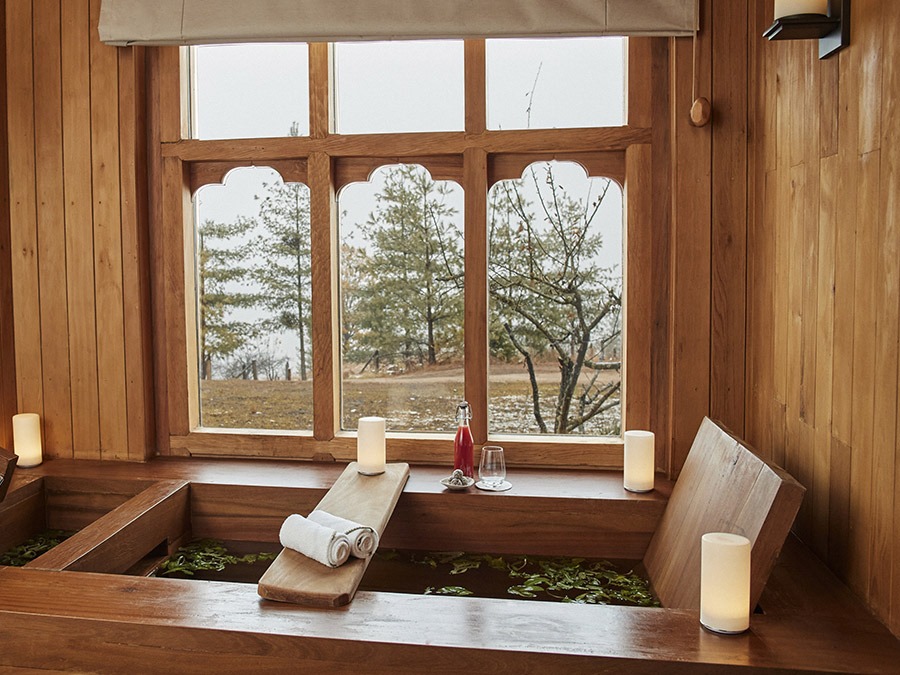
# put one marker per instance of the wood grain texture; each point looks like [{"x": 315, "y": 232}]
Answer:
[
  {"x": 57, "y": 428},
  {"x": 23, "y": 211},
  {"x": 93, "y": 621},
  {"x": 22, "y": 515},
  {"x": 723, "y": 487},
  {"x": 367, "y": 500},
  {"x": 475, "y": 73},
  {"x": 82, "y": 332},
  {"x": 8, "y": 403},
  {"x": 475, "y": 321},
  {"x": 325, "y": 288},
  {"x": 118, "y": 540},
  {"x": 729, "y": 213},
  {"x": 108, "y": 245},
  {"x": 691, "y": 266},
  {"x": 410, "y": 144},
  {"x": 637, "y": 315},
  {"x": 830, "y": 129},
  {"x": 135, "y": 251},
  {"x": 321, "y": 119}
]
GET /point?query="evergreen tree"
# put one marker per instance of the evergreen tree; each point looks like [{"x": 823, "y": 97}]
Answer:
[
  {"x": 285, "y": 276},
  {"x": 221, "y": 274},
  {"x": 411, "y": 302}
]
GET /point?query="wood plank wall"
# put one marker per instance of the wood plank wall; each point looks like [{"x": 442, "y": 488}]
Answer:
[
  {"x": 78, "y": 228},
  {"x": 7, "y": 339},
  {"x": 823, "y": 272}
]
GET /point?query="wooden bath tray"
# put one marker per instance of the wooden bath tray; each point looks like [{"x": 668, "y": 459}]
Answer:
[{"x": 368, "y": 500}]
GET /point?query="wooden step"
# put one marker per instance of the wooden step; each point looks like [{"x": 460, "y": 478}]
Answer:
[{"x": 368, "y": 500}]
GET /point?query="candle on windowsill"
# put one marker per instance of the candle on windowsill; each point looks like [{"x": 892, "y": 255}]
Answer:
[
  {"x": 725, "y": 582},
  {"x": 640, "y": 461},
  {"x": 370, "y": 452},
  {"x": 27, "y": 439},
  {"x": 791, "y": 7}
]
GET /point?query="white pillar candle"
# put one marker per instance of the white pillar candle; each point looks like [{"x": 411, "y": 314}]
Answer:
[
  {"x": 27, "y": 439},
  {"x": 791, "y": 7},
  {"x": 640, "y": 461},
  {"x": 370, "y": 453},
  {"x": 725, "y": 582}
]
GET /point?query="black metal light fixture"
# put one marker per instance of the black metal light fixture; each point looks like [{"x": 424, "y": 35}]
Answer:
[{"x": 827, "y": 21}]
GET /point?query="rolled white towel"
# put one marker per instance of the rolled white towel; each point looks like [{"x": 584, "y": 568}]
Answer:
[
  {"x": 315, "y": 540},
  {"x": 363, "y": 539}
]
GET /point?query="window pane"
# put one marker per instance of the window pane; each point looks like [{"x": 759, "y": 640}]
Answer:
[
  {"x": 253, "y": 302},
  {"x": 555, "y": 275},
  {"x": 559, "y": 83},
  {"x": 402, "y": 299},
  {"x": 250, "y": 91},
  {"x": 399, "y": 86}
]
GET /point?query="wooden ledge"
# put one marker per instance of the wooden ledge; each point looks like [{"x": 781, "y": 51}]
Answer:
[{"x": 95, "y": 620}]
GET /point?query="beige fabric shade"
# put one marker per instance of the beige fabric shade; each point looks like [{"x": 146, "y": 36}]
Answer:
[{"x": 182, "y": 22}]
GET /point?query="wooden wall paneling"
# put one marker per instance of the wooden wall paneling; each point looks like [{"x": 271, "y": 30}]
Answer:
[
  {"x": 108, "y": 245},
  {"x": 76, "y": 140},
  {"x": 729, "y": 209},
  {"x": 475, "y": 168},
  {"x": 758, "y": 263},
  {"x": 839, "y": 508},
  {"x": 135, "y": 249},
  {"x": 8, "y": 402},
  {"x": 793, "y": 223},
  {"x": 884, "y": 424},
  {"x": 869, "y": 28},
  {"x": 890, "y": 176},
  {"x": 57, "y": 418},
  {"x": 691, "y": 264},
  {"x": 864, "y": 366},
  {"x": 638, "y": 289},
  {"x": 23, "y": 212},
  {"x": 845, "y": 247},
  {"x": 661, "y": 249},
  {"x": 818, "y": 494},
  {"x": 325, "y": 285}
]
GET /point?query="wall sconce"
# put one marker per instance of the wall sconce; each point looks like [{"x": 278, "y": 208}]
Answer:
[{"x": 827, "y": 21}]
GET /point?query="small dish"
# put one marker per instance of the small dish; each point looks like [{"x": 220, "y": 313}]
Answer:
[
  {"x": 452, "y": 486},
  {"x": 500, "y": 487}
]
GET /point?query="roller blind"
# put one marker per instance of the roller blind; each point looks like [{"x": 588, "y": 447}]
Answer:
[{"x": 182, "y": 22}]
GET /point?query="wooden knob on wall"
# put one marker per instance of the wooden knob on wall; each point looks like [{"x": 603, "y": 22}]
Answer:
[{"x": 701, "y": 112}]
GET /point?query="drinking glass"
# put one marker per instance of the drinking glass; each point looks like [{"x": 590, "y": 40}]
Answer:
[{"x": 492, "y": 470}]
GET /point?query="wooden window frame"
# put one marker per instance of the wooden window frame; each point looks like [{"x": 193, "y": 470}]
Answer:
[{"x": 475, "y": 158}]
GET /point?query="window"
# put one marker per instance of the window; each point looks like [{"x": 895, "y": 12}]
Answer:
[{"x": 359, "y": 254}]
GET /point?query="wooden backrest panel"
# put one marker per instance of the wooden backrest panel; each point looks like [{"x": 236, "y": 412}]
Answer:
[{"x": 723, "y": 487}]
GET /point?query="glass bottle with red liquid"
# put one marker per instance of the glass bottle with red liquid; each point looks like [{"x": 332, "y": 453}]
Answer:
[{"x": 463, "y": 444}]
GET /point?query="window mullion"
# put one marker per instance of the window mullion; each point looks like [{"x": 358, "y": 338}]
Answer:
[
  {"x": 320, "y": 88},
  {"x": 323, "y": 235},
  {"x": 476, "y": 289},
  {"x": 476, "y": 100}
]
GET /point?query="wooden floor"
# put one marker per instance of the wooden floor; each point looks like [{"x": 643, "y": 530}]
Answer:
[{"x": 88, "y": 622}]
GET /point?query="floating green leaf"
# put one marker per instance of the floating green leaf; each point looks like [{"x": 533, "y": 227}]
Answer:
[
  {"x": 448, "y": 590},
  {"x": 207, "y": 555},
  {"x": 31, "y": 549}
]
